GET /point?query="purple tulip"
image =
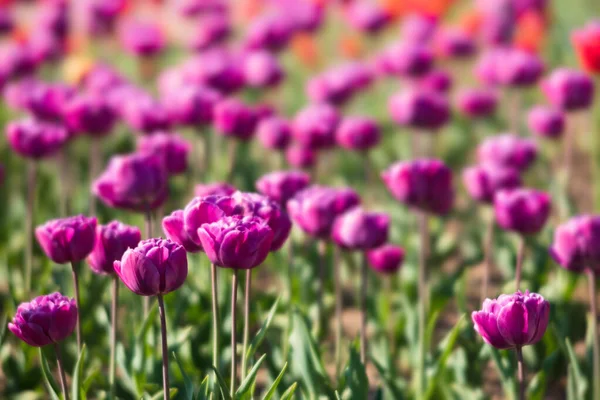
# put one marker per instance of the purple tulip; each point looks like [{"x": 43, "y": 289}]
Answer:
[
  {"x": 419, "y": 109},
  {"x": 305, "y": 16},
  {"x": 261, "y": 69},
  {"x": 484, "y": 181},
  {"x": 53, "y": 18},
  {"x": 498, "y": 21},
  {"x": 488, "y": 66},
  {"x": 36, "y": 139},
  {"x": 576, "y": 244},
  {"x": 269, "y": 32},
  {"x": 142, "y": 38},
  {"x": 170, "y": 147},
  {"x": 337, "y": 85},
  {"x": 44, "y": 320},
  {"x": 546, "y": 122},
  {"x": 136, "y": 182},
  {"x": 314, "y": 126},
  {"x": 112, "y": 240},
  {"x": 477, "y": 103},
  {"x": 205, "y": 210},
  {"x": 216, "y": 68},
  {"x": 211, "y": 29},
  {"x": 315, "y": 208},
  {"x": 102, "y": 78},
  {"x": 17, "y": 60},
  {"x": 299, "y": 156},
  {"x": 154, "y": 267},
  {"x": 519, "y": 68},
  {"x": 357, "y": 229},
  {"x": 236, "y": 242},
  {"x": 357, "y": 133},
  {"x": 454, "y": 43},
  {"x": 386, "y": 259},
  {"x": 67, "y": 240},
  {"x": 194, "y": 8},
  {"x": 191, "y": 105},
  {"x": 437, "y": 80},
  {"x": 143, "y": 113},
  {"x": 7, "y": 22},
  {"x": 282, "y": 185},
  {"x": 512, "y": 321},
  {"x": 257, "y": 205},
  {"x": 236, "y": 119},
  {"x": 569, "y": 89},
  {"x": 274, "y": 133},
  {"x": 522, "y": 210},
  {"x": 89, "y": 114},
  {"x": 422, "y": 184},
  {"x": 407, "y": 59},
  {"x": 101, "y": 16},
  {"x": 214, "y": 188},
  {"x": 17, "y": 94},
  {"x": 507, "y": 150},
  {"x": 44, "y": 48},
  {"x": 47, "y": 101},
  {"x": 418, "y": 28},
  {"x": 174, "y": 228},
  {"x": 366, "y": 16}
]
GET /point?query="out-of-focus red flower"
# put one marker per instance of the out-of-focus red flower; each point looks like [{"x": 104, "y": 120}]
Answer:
[
  {"x": 587, "y": 44},
  {"x": 305, "y": 48},
  {"x": 395, "y": 8},
  {"x": 530, "y": 31},
  {"x": 471, "y": 21},
  {"x": 431, "y": 7}
]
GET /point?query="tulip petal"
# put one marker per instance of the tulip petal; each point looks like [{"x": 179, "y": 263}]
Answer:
[
  {"x": 513, "y": 323},
  {"x": 486, "y": 325}
]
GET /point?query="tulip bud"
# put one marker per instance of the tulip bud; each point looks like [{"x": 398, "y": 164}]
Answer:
[
  {"x": 477, "y": 103},
  {"x": 546, "y": 122},
  {"x": 507, "y": 150},
  {"x": 35, "y": 139},
  {"x": 154, "y": 267},
  {"x": 483, "y": 181},
  {"x": 359, "y": 230},
  {"x": 274, "y": 132},
  {"x": 68, "y": 239},
  {"x": 314, "y": 126},
  {"x": 142, "y": 38},
  {"x": 569, "y": 89},
  {"x": 45, "y": 320},
  {"x": 522, "y": 210},
  {"x": 357, "y": 133},
  {"x": 576, "y": 244},
  {"x": 111, "y": 242},
  {"x": 419, "y": 109},
  {"x": 170, "y": 147},
  {"x": 386, "y": 259}
]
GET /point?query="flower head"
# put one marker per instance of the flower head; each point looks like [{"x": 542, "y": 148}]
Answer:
[{"x": 68, "y": 239}]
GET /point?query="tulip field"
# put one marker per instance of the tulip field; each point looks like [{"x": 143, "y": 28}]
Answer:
[{"x": 299, "y": 199}]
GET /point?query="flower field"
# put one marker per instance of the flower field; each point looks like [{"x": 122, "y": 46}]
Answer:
[{"x": 299, "y": 199}]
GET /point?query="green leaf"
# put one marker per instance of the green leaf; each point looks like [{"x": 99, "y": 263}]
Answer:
[
  {"x": 222, "y": 384},
  {"x": 147, "y": 322},
  {"x": 275, "y": 384},
  {"x": 77, "y": 371},
  {"x": 355, "y": 376},
  {"x": 48, "y": 379},
  {"x": 246, "y": 385},
  {"x": 260, "y": 336},
  {"x": 188, "y": 385},
  {"x": 447, "y": 345},
  {"x": 388, "y": 381},
  {"x": 580, "y": 382},
  {"x": 203, "y": 393},
  {"x": 159, "y": 395},
  {"x": 289, "y": 393}
]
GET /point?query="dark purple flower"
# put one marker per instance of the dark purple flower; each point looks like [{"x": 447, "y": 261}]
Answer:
[
  {"x": 299, "y": 156},
  {"x": 210, "y": 30},
  {"x": 89, "y": 114},
  {"x": 45, "y": 320},
  {"x": 437, "y": 80},
  {"x": 145, "y": 114},
  {"x": 261, "y": 69},
  {"x": 214, "y": 188},
  {"x": 407, "y": 59},
  {"x": 357, "y": 133},
  {"x": 154, "y": 267},
  {"x": 514, "y": 320},
  {"x": 569, "y": 89},
  {"x": 112, "y": 240},
  {"x": 366, "y": 16},
  {"x": 419, "y": 109},
  {"x": 68, "y": 239},
  {"x": 522, "y": 210},
  {"x": 47, "y": 101},
  {"x": 546, "y": 122},
  {"x": 236, "y": 119},
  {"x": 17, "y": 60},
  {"x": 314, "y": 126},
  {"x": 205, "y": 210},
  {"x": 484, "y": 181},
  {"x": 477, "y": 103},
  {"x": 216, "y": 68},
  {"x": 101, "y": 16},
  {"x": 357, "y": 229},
  {"x": 576, "y": 244},
  {"x": 274, "y": 133},
  {"x": 269, "y": 32},
  {"x": 519, "y": 68},
  {"x": 454, "y": 43},
  {"x": 171, "y": 147},
  {"x": 191, "y": 105},
  {"x": 422, "y": 184},
  {"x": 174, "y": 228},
  {"x": 282, "y": 185},
  {"x": 386, "y": 259},
  {"x": 36, "y": 139},
  {"x": 507, "y": 150},
  {"x": 418, "y": 28},
  {"x": 142, "y": 38}
]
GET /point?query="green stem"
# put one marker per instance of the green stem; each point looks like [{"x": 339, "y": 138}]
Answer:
[
  {"x": 165, "y": 348},
  {"x": 520, "y": 373},
  {"x": 338, "y": 311},
  {"x": 61, "y": 371},
  {"x": 595, "y": 338},
  {"x": 29, "y": 217},
  {"x": 246, "y": 320},
  {"x": 520, "y": 257},
  {"x": 113, "y": 335},
  {"x": 75, "y": 271},
  {"x": 363, "y": 309},
  {"x": 216, "y": 322},
  {"x": 422, "y": 286},
  {"x": 234, "y": 284}
]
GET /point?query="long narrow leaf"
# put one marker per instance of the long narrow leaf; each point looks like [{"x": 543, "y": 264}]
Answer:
[
  {"x": 260, "y": 336},
  {"x": 223, "y": 386},
  {"x": 246, "y": 385},
  {"x": 187, "y": 382},
  {"x": 77, "y": 371},
  {"x": 289, "y": 393},
  {"x": 276, "y": 383},
  {"x": 48, "y": 379}
]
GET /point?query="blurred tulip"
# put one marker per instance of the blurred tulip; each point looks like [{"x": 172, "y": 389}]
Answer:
[
  {"x": 546, "y": 122},
  {"x": 484, "y": 181},
  {"x": 170, "y": 147},
  {"x": 507, "y": 150},
  {"x": 406, "y": 59},
  {"x": 215, "y": 188},
  {"x": 111, "y": 242},
  {"x": 454, "y": 43},
  {"x": 282, "y": 185},
  {"x": 519, "y": 68},
  {"x": 366, "y": 17},
  {"x": 436, "y": 80},
  {"x": 299, "y": 156},
  {"x": 35, "y": 139},
  {"x": 142, "y": 38},
  {"x": 386, "y": 259},
  {"x": 314, "y": 126},
  {"x": 191, "y": 105},
  {"x": 419, "y": 109},
  {"x": 522, "y": 210},
  {"x": 569, "y": 89},
  {"x": 212, "y": 29},
  {"x": 357, "y": 229},
  {"x": 274, "y": 133},
  {"x": 261, "y": 69},
  {"x": 270, "y": 32},
  {"x": 236, "y": 119},
  {"x": 586, "y": 42},
  {"x": 477, "y": 103},
  {"x": 357, "y": 133},
  {"x": 89, "y": 114}
]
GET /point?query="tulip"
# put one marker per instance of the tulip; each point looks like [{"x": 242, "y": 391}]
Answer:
[
  {"x": 437, "y": 80},
  {"x": 575, "y": 248},
  {"x": 281, "y": 186},
  {"x": 359, "y": 230},
  {"x": 112, "y": 240},
  {"x": 523, "y": 211},
  {"x": 102, "y": 16},
  {"x": 337, "y": 85},
  {"x": 507, "y": 150},
  {"x": 173, "y": 226},
  {"x": 170, "y": 147},
  {"x": 18, "y": 60},
  {"x": 306, "y": 17},
  {"x": 314, "y": 126},
  {"x": 511, "y": 322},
  {"x": 261, "y": 69},
  {"x": 357, "y": 133},
  {"x": 270, "y": 32},
  {"x": 585, "y": 40},
  {"x": 482, "y": 183},
  {"x": 386, "y": 259},
  {"x": 569, "y": 89},
  {"x": 154, "y": 268},
  {"x": 48, "y": 319},
  {"x": 426, "y": 186},
  {"x": 216, "y": 68},
  {"x": 212, "y": 29},
  {"x": 299, "y": 156},
  {"x": 47, "y": 101},
  {"x": 487, "y": 67},
  {"x": 274, "y": 133},
  {"x": 239, "y": 243},
  {"x": 143, "y": 113},
  {"x": 418, "y": 27},
  {"x": 519, "y": 68},
  {"x": 406, "y": 59},
  {"x": 367, "y": 17},
  {"x": 215, "y": 188},
  {"x": 477, "y": 103},
  {"x": 67, "y": 240},
  {"x": 194, "y": 8},
  {"x": 454, "y": 43},
  {"x": 144, "y": 40},
  {"x": 546, "y": 122}
]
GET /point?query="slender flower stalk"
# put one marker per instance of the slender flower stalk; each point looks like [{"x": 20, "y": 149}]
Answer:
[
  {"x": 61, "y": 371},
  {"x": 234, "y": 284},
  {"x": 165, "y": 349},
  {"x": 595, "y": 338},
  {"x": 520, "y": 257},
  {"x": 423, "y": 300},
  {"x": 363, "y": 309},
  {"x": 232, "y": 152},
  {"x": 75, "y": 270},
  {"x": 246, "y": 320},
  {"x": 31, "y": 183},
  {"x": 520, "y": 372},
  {"x": 113, "y": 335},
  {"x": 65, "y": 181},
  {"x": 322, "y": 249},
  {"x": 488, "y": 258},
  {"x": 216, "y": 322},
  {"x": 148, "y": 235},
  {"x": 338, "y": 310},
  {"x": 94, "y": 168}
]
